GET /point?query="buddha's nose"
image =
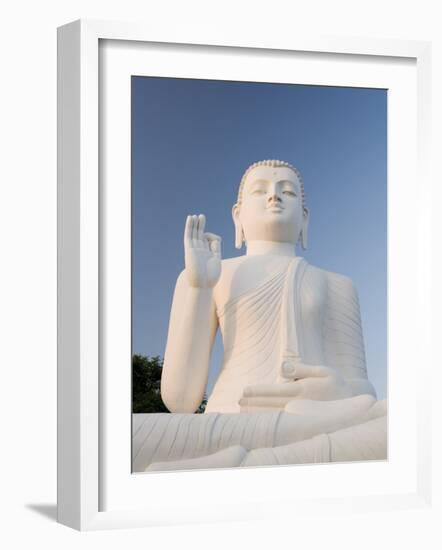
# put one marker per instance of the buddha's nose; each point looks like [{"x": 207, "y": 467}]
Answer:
[{"x": 274, "y": 197}]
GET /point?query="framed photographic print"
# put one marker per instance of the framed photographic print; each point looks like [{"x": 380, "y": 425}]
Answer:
[
  {"x": 340, "y": 137},
  {"x": 234, "y": 261}
]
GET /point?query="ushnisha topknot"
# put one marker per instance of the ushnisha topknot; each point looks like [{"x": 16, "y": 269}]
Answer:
[{"x": 274, "y": 164}]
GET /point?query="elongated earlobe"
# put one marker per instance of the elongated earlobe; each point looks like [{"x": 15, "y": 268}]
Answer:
[
  {"x": 239, "y": 233},
  {"x": 239, "y": 236},
  {"x": 303, "y": 235}
]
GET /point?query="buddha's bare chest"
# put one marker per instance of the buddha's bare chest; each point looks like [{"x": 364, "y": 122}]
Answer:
[
  {"x": 245, "y": 274},
  {"x": 243, "y": 278}
]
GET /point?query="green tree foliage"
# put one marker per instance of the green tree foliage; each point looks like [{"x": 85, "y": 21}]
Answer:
[{"x": 146, "y": 379}]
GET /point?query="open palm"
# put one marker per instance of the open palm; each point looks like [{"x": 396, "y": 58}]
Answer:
[{"x": 202, "y": 253}]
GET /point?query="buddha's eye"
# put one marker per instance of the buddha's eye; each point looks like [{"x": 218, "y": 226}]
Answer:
[
  {"x": 258, "y": 192},
  {"x": 290, "y": 193}
]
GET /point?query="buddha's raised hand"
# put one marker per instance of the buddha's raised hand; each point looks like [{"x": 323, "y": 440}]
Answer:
[{"x": 202, "y": 253}]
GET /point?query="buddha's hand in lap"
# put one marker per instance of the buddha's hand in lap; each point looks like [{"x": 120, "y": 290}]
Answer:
[
  {"x": 303, "y": 382},
  {"x": 202, "y": 253}
]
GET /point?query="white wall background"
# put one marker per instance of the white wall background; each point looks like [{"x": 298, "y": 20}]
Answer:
[{"x": 28, "y": 266}]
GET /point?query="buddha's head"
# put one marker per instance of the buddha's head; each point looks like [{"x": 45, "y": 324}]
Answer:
[{"x": 271, "y": 205}]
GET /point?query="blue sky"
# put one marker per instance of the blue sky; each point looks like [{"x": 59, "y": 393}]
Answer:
[{"x": 192, "y": 141}]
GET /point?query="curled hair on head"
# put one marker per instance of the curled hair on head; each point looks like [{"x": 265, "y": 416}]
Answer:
[{"x": 273, "y": 164}]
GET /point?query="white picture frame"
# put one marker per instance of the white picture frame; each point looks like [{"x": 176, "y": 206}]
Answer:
[{"x": 83, "y": 448}]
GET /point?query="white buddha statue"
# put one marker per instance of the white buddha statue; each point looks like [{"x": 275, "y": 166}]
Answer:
[{"x": 294, "y": 370}]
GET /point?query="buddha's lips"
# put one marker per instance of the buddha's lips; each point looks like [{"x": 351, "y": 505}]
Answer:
[{"x": 275, "y": 206}]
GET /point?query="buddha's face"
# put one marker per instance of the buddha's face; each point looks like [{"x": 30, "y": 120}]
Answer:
[{"x": 271, "y": 206}]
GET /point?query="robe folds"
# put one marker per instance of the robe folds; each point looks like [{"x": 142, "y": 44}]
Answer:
[
  {"x": 292, "y": 312},
  {"x": 299, "y": 312},
  {"x": 312, "y": 432}
]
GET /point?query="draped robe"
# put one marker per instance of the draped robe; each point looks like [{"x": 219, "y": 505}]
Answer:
[
  {"x": 293, "y": 311},
  {"x": 298, "y": 312}
]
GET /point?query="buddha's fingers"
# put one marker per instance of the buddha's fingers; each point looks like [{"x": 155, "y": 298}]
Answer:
[
  {"x": 195, "y": 231},
  {"x": 188, "y": 228},
  {"x": 289, "y": 389},
  {"x": 201, "y": 236},
  {"x": 214, "y": 242},
  {"x": 201, "y": 225},
  {"x": 311, "y": 371}
]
